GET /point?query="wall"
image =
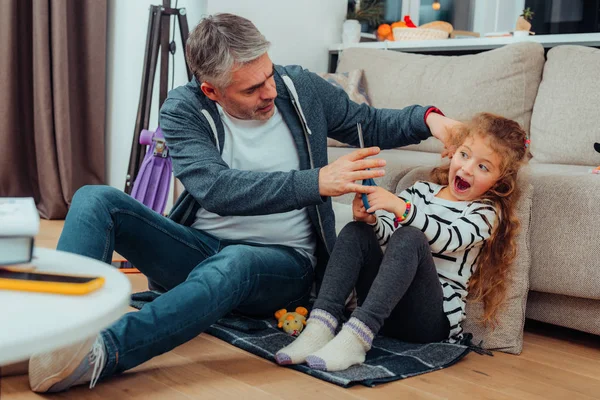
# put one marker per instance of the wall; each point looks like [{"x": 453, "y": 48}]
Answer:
[
  {"x": 300, "y": 31},
  {"x": 496, "y": 15},
  {"x": 462, "y": 15}
]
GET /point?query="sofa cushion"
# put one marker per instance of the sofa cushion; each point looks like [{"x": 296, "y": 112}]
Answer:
[
  {"x": 508, "y": 334},
  {"x": 353, "y": 84},
  {"x": 563, "y": 126},
  {"x": 502, "y": 81},
  {"x": 565, "y": 228}
]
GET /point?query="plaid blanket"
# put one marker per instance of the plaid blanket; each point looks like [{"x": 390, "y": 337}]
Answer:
[{"x": 388, "y": 360}]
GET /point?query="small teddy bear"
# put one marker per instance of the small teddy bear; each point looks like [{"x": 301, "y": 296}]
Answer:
[{"x": 292, "y": 322}]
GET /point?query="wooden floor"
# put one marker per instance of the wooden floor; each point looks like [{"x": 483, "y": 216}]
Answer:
[{"x": 556, "y": 363}]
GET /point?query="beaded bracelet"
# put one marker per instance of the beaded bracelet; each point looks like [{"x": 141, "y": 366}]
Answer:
[{"x": 401, "y": 218}]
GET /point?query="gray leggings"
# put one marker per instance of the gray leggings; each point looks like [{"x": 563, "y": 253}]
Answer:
[{"x": 399, "y": 291}]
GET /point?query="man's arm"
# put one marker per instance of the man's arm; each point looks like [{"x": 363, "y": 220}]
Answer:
[
  {"x": 197, "y": 163},
  {"x": 386, "y": 128}
]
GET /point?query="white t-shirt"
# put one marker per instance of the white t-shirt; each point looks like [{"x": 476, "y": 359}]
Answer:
[{"x": 262, "y": 146}]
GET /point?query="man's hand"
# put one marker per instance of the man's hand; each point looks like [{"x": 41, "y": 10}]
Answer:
[
  {"x": 382, "y": 199},
  {"x": 358, "y": 211},
  {"x": 339, "y": 177},
  {"x": 446, "y": 130}
]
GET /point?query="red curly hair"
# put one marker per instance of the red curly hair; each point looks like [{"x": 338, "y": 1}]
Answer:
[{"x": 507, "y": 138}]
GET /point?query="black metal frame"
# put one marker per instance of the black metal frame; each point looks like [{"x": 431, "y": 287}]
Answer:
[
  {"x": 590, "y": 22},
  {"x": 157, "y": 41}
]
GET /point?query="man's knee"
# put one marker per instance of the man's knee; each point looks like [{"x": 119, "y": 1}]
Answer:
[
  {"x": 229, "y": 273},
  {"x": 94, "y": 196},
  {"x": 232, "y": 265}
]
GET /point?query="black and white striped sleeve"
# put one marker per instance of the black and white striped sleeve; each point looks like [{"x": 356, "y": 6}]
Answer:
[
  {"x": 384, "y": 225},
  {"x": 466, "y": 232}
]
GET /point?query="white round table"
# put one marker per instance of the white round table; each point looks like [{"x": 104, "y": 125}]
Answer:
[{"x": 31, "y": 323}]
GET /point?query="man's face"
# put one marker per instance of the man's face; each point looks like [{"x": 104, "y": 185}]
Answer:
[{"x": 251, "y": 93}]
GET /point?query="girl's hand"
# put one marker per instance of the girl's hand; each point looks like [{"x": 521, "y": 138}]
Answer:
[
  {"x": 358, "y": 211},
  {"x": 382, "y": 199}
]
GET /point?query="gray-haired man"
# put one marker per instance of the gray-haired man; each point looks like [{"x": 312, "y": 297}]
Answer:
[{"x": 248, "y": 142}]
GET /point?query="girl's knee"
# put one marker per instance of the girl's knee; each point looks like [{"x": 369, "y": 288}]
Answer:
[
  {"x": 408, "y": 236},
  {"x": 355, "y": 230}
]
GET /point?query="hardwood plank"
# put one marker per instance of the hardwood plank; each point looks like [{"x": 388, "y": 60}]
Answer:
[
  {"x": 565, "y": 343},
  {"x": 500, "y": 375},
  {"x": 190, "y": 376},
  {"x": 126, "y": 387},
  {"x": 49, "y": 233},
  {"x": 447, "y": 386},
  {"x": 258, "y": 372},
  {"x": 552, "y": 376},
  {"x": 588, "y": 365},
  {"x": 16, "y": 388},
  {"x": 393, "y": 390},
  {"x": 130, "y": 386},
  {"x": 139, "y": 283}
]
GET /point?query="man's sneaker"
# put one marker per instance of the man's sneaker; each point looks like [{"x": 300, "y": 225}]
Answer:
[{"x": 74, "y": 365}]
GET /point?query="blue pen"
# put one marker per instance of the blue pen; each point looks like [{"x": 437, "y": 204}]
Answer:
[{"x": 369, "y": 181}]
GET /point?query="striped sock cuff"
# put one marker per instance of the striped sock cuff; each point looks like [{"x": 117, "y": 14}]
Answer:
[
  {"x": 361, "y": 330},
  {"x": 325, "y": 318}
]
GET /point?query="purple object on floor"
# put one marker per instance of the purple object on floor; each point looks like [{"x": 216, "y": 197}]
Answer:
[{"x": 151, "y": 186}]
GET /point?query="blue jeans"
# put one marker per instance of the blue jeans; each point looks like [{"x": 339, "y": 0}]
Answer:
[{"x": 205, "y": 277}]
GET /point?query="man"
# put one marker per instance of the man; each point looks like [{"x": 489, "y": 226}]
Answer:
[{"x": 248, "y": 142}]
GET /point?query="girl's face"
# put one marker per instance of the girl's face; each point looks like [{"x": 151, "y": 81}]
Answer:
[{"x": 474, "y": 169}]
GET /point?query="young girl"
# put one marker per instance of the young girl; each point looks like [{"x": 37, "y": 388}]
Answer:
[{"x": 418, "y": 288}]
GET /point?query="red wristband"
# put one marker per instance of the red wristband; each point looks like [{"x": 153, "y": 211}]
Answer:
[{"x": 432, "y": 110}]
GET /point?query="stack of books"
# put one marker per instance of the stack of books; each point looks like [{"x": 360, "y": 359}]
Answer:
[{"x": 19, "y": 224}]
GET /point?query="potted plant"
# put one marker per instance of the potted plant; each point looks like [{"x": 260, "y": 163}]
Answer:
[
  {"x": 369, "y": 13},
  {"x": 524, "y": 21}
]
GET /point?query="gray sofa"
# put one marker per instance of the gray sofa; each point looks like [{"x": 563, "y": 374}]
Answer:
[{"x": 555, "y": 98}]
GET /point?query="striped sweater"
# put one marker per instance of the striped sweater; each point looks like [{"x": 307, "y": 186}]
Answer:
[{"x": 456, "y": 231}]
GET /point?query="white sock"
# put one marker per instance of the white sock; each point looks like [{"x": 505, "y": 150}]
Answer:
[
  {"x": 348, "y": 348},
  {"x": 320, "y": 329}
]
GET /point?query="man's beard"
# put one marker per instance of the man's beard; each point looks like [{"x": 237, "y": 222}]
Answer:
[{"x": 253, "y": 114}]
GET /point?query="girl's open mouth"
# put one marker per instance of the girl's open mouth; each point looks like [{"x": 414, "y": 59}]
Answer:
[{"x": 460, "y": 184}]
